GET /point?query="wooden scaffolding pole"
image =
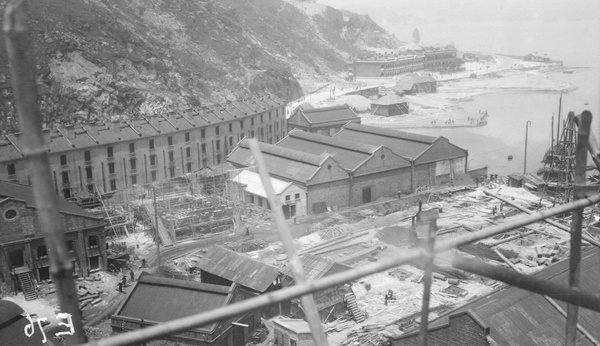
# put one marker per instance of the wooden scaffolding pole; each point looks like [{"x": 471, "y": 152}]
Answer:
[{"x": 22, "y": 68}]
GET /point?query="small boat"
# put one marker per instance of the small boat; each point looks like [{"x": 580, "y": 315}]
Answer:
[
  {"x": 568, "y": 72},
  {"x": 586, "y": 103},
  {"x": 510, "y": 157}
]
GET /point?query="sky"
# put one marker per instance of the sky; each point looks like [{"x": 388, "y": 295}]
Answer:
[{"x": 566, "y": 30}]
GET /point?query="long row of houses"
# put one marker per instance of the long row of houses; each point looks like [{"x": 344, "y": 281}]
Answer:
[
  {"x": 439, "y": 58},
  {"x": 106, "y": 157}
]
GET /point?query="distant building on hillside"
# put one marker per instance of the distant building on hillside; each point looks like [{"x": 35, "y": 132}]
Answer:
[
  {"x": 324, "y": 121},
  {"x": 440, "y": 58},
  {"x": 536, "y": 57},
  {"x": 382, "y": 67},
  {"x": 23, "y": 253},
  {"x": 390, "y": 105}
]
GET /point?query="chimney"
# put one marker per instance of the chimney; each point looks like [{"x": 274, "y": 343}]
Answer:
[
  {"x": 18, "y": 139},
  {"x": 70, "y": 131},
  {"x": 46, "y": 136},
  {"x": 116, "y": 126},
  {"x": 93, "y": 128}
]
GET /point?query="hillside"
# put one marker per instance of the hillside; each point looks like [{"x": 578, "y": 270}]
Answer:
[{"x": 99, "y": 59}]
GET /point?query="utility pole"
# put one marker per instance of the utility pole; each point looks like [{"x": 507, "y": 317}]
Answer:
[
  {"x": 156, "y": 238},
  {"x": 527, "y": 125}
]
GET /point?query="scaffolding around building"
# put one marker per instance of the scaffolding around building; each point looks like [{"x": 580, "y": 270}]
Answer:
[{"x": 558, "y": 172}]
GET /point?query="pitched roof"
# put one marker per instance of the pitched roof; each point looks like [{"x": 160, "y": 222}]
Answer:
[
  {"x": 349, "y": 154},
  {"x": 316, "y": 267},
  {"x": 295, "y": 325},
  {"x": 159, "y": 299},
  {"x": 407, "y": 82},
  {"x": 281, "y": 162},
  {"x": 238, "y": 268},
  {"x": 405, "y": 144},
  {"x": 91, "y": 135},
  {"x": 521, "y": 317},
  {"x": 253, "y": 183},
  {"x": 342, "y": 113},
  {"x": 389, "y": 99},
  {"x": 25, "y": 193}
]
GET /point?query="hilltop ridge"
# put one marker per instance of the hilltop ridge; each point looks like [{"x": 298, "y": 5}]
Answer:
[{"x": 103, "y": 59}]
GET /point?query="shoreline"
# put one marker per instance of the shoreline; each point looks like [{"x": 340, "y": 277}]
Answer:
[{"x": 436, "y": 110}]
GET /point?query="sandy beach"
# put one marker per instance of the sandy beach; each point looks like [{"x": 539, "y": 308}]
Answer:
[{"x": 444, "y": 108}]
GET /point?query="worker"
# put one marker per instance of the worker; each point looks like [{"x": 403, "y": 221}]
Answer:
[
  {"x": 144, "y": 265},
  {"x": 132, "y": 275},
  {"x": 124, "y": 280},
  {"x": 120, "y": 285},
  {"x": 247, "y": 230}
]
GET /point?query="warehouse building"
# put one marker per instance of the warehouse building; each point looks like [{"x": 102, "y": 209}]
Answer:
[
  {"x": 434, "y": 160},
  {"x": 326, "y": 121}
]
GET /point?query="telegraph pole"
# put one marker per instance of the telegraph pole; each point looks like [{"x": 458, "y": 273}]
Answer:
[{"x": 156, "y": 237}]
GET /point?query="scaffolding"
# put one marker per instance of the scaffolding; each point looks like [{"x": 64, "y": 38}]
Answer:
[
  {"x": 24, "y": 86},
  {"x": 559, "y": 162}
]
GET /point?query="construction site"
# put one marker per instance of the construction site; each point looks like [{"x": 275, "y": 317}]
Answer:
[{"x": 377, "y": 309}]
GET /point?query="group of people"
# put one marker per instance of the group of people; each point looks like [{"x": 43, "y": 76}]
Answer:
[{"x": 123, "y": 282}]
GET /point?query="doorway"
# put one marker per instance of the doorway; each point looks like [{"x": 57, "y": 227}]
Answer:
[
  {"x": 366, "y": 195},
  {"x": 16, "y": 258}
]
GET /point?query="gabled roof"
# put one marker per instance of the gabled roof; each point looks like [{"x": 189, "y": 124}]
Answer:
[
  {"x": 25, "y": 193},
  {"x": 405, "y": 144},
  {"x": 316, "y": 267},
  {"x": 253, "y": 183},
  {"x": 349, "y": 154},
  {"x": 520, "y": 317},
  {"x": 389, "y": 99},
  {"x": 336, "y": 114},
  {"x": 156, "y": 299},
  {"x": 281, "y": 162},
  {"x": 407, "y": 82},
  {"x": 238, "y": 268}
]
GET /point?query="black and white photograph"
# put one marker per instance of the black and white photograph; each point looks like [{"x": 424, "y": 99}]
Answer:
[{"x": 300, "y": 172}]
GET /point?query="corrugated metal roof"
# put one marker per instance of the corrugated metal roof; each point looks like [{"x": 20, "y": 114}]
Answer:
[
  {"x": 341, "y": 113},
  {"x": 389, "y": 99},
  {"x": 520, "y": 317},
  {"x": 239, "y": 268},
  {"x": 349, "y": 154},
  {"x": 160, "y": 299},
  {"x": 402, "y": 143},
  {"x": 316, "y": 267},
  {"x": 25, "y": 193},
  {"x": 255, "y": 186}
]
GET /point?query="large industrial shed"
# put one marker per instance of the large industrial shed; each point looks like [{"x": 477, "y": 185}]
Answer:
[
  {"x": 374, "y": 171},
  {"x": 434, "y": 160},
  {"x": 325, "y": 181}
]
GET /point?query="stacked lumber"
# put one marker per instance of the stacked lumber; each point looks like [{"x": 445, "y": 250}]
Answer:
[
  {"x": 367, "y": 335},
  {"x": 343, "y": 322},
  {"x": 88, "y": 293}
]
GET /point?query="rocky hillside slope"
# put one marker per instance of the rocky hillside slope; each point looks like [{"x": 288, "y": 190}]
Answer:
[{"x": 99, "y": 59}]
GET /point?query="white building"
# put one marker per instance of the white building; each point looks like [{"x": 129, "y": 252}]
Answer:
[{"x": 291, "y": 196}]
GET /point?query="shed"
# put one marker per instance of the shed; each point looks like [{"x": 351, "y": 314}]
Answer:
[
  {"x": 222, "y": 267},
  {"x": 292, "y": 332},
  {"x": 415, "y": 83},
  {"x": 389, "y": 105}
]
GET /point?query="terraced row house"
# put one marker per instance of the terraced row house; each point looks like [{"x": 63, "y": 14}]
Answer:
[{"x": 105, "y": 157}]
